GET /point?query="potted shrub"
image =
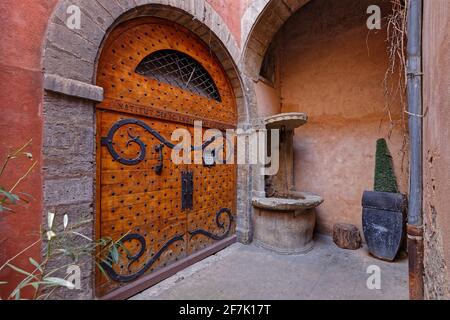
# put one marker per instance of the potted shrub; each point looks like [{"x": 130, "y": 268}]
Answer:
[{"x": 384, "y": 209}]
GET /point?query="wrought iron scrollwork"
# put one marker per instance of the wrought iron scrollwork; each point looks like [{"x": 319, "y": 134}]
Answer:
[
  {"x": 113, "y": 275},
  {"x": 132, "y": 259},
  {"x": 108, "y": 141},
  {"x": 221, "y": 225}
]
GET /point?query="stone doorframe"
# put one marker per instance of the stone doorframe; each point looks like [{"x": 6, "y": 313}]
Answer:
[{"x": 70, "y": 64}]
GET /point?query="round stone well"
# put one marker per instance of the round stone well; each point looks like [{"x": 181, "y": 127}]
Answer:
[{"x": 285, "y": 219}]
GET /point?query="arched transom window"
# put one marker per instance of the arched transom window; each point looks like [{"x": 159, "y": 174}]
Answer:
[{"x": 178, "y": 69}]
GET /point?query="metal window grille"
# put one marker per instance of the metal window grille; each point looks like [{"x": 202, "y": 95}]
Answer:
[{"x": 180, "y": 70}]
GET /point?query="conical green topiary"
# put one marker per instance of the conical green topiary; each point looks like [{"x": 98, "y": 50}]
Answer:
[{"x": 385, "y": 180}]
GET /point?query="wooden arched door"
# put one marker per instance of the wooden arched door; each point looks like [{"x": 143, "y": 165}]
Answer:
[{"x": 159, "y": 77}]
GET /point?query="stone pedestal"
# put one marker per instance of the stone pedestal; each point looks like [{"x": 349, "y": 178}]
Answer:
[
  {"x": 284, "y": 219},
  {"x": 285, "y": 232},
  {"x": 286, "y": 225}
]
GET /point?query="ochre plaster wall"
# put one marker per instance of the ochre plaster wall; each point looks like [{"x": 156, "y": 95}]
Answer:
[{"x": 332, "y": 69}]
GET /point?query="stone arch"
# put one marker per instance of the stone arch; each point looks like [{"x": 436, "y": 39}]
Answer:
[
  {"x": 69, "y": 62},
  {"x": 261, "y": 21},
  {"x": 73, "y": 53}
]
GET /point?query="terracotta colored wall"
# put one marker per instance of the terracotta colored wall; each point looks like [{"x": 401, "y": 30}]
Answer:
[
  {"x": 231, "y": 11},
  {"x": 436, "y": 59},
  {"x": 268, "y": 99},
  {"x": 23, "y": 24},
  {"x": 329, "y": 72}
]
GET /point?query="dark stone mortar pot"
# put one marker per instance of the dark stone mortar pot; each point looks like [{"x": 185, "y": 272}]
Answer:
[{"x": 384, "y": 221}]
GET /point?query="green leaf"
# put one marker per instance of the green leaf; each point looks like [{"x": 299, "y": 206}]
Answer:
[
  {"x": 11, "y": 197},
  {"x": 3, "y": 209},
  {"x": 37, "y": 265},
  {"x": 101, "y": 269},
  {"x": 81, "y": 235},
  {"x": 107, "y": 261},
  {"x": 60, "y": 282},
  {"x": 115, "y": 254},
  {"x": 21, "y": 271},
  {"x": 35, "y": 285},
  {"x": 25, "y": 282},
  {"x": 122, "y": 245}
]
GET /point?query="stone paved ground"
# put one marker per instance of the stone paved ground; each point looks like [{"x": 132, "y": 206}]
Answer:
[{"x": 249, "y": 272}]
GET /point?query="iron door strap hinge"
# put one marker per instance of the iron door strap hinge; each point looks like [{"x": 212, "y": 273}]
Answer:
[
  {"x": 159, "y": 167},
  {"x": 187, "y": 190}
]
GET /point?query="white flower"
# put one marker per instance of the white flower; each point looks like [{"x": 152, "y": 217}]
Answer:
[
  {"x": 50, "y": 235},
  {"x": 50, "y": 218},
  {"x": 60, "y": 282},
  {"x": 66, "y": 221}
]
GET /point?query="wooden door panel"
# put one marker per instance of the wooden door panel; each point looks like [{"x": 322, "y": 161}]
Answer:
[
  {"x": 137, "y": 202},
  {"x": 123, "y": 53},
  {"x": 213, "y": 217},
  {"x": 140, "y": 197}
]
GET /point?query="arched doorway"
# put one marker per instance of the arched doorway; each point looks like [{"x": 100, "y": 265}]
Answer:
[
  {"x": 71, "y": 90},
  {"x": 158, "y": 77}
]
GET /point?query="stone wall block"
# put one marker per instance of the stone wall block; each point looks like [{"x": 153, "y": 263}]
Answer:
[
  {"x": 250, "y": 16},
  {"x": 67, "y": 65},
  {"x": 112, "y": 7},
  {"x": 89, "y": 29},
  {"x": 61, "y": 37},
  {"x": 68, "y": 191},
  {"x": 95, "y": 12},
  {"x": 126, "y": 4}
]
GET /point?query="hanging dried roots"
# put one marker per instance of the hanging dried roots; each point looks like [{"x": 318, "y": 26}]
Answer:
[{"x": 395, "y": 79}]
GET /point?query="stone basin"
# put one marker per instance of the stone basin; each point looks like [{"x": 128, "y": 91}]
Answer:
[
  {"x": 302, "y": 201},
  {"x": 289, "y": 121},
  {"x": 286, "y": 225}
]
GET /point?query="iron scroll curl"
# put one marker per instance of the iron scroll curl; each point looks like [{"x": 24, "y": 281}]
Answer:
[
  {"x": 135, "y": 139},
  {"x": 219, "y": 223},
  {"x": 133, "y": 258},
  {"x": 113, "y": 275}
]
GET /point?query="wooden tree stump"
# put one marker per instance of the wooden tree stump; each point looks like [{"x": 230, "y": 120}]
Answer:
[{"x": 347, "y": 236}]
